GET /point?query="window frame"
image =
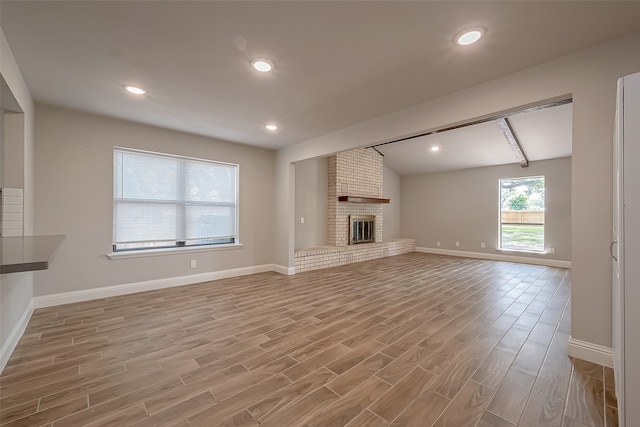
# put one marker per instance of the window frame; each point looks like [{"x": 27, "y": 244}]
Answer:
[
  {"x": 500, "y": 239},
  {"x": 181, "y": 220}
]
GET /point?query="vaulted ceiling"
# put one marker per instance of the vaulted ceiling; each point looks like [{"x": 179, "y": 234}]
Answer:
[
  {"x": 541, "y": 134},
  {"x": 336, "y": 64}
]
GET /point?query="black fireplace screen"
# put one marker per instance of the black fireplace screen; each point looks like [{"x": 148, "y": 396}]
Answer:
[{"x": 362, "y": 229}]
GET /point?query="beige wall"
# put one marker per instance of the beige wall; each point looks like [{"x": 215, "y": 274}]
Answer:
[
  {"x": 590, "y": 77},
  {"x": 74, "y": 196},
  {"x": 16, "y": 290},
  {"x": 463, "y": 206},
  {"x": 311, "y": 202},
  {"x": 391, "y": 212},
  {"x": 13, "y": 141}
]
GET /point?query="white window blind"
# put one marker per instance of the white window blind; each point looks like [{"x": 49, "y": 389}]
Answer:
[{"x": 167, "y": 201}]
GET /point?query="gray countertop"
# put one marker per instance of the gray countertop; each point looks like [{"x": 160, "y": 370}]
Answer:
[{"x": 28, "y": 253}]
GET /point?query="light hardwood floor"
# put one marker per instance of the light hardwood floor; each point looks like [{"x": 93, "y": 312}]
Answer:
[{"x": 410, "y": 340}]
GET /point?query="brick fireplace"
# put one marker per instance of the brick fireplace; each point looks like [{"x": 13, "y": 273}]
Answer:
[
  {"x": 355, "y": 181},
  {"x": 357, "y": 173}
]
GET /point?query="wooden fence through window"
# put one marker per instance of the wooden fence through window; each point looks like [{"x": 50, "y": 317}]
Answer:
[{"x": 522, "y": 217}]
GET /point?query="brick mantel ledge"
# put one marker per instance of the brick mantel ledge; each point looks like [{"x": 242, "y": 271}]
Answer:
[{"x": 315, "y": 258}]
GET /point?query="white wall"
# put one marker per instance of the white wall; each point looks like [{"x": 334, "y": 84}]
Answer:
[
  {"x": 590, "y": 76},
  {"x": 462, "y": 206},
  {"x": 16, "y": 290},
  {"x": 311, "y": 202},
  {"x": 74, "y": 196},
  {"x": 391, "y": 189}
]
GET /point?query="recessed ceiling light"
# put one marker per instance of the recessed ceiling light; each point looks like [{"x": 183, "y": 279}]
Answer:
[
  {"x": 262, "y": 65},
  {"x": 136, "y": 90},
  {"x": 271, "y": 127},
  {"x": 435, "y": 148},
  {"x": 469, "y": 37}
]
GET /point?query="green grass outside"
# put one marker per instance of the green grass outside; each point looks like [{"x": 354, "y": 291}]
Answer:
[{"x": 523, "y": 237}]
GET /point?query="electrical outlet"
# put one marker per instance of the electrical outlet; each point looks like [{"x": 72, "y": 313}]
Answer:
[
  {"x": 552, "y": 250},
  {"x": 438, "y": 244},
  {"x": 301, "y": 220},
  {"x": 457, "y": 243},
  {"x": 194, "y": 263},
  {"x": 482, "y": 244}
]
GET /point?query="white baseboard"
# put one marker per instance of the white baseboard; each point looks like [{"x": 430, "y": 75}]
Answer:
[
  {"x": 150, "y": 285},
  {"x": 497, "y": 257},
  {"x": 15, "y": 335},
  {"x": 590, "y": 352},
  {"x": 287, "y": 271}
]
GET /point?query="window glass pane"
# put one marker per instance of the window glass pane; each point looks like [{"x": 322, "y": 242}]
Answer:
[
  {"x": 136, "y": 222},
  {"x": 172, "y": 201},
  {"x": 117, "y": 173},
  {"x": 210, "y": 221},
  {"x": 206, "y": 182},
  {"x": 149, "y": 177},
  {"x": 522, "y": 213}
]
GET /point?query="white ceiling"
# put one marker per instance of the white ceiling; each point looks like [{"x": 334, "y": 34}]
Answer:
[
  {"x": 542, "y": 134},
  {"x": 337, "y": 63}
]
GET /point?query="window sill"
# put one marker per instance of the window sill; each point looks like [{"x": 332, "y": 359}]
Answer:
[
  {"x": 523, "y": 251},
  {"x": 143, "y": 253}
]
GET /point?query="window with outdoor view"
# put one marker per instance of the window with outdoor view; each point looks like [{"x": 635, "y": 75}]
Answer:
[
  {"x": 164, "y": 201},
  {"x": 522, "y": 214}
]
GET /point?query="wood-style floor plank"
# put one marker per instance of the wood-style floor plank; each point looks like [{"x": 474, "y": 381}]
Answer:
[
  {"x": 236, "y": 404},
  {"x": 585, "y": 400},
  {"x": 265, "y": 407},
  {"x": 467, "y": 407},
  {"x": 401, "y": 395},
  {"x": 542, "y": 410},
  {"x": 554, "y": 376},
  {"x": 411, "y": 340},
  {"x": 511, "y": 397},
  {"x": 352, "y": 404},
  {"x": 368, "y": 419},
  {"x": 489, "y": 419},
  {"x": 425, "y": 410},
  {"x": 304, "y": 410}
]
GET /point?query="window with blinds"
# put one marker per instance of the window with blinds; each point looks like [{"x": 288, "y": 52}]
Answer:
[{"x": 164, "y": 201}]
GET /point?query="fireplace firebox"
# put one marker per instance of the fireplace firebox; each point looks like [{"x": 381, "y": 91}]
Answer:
[{"x": 362, "y": 229}]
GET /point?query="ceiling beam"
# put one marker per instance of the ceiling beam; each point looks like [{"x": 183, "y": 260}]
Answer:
[
  {"x": 512, "y": 139},
  {"x": 478, "y": 121}
]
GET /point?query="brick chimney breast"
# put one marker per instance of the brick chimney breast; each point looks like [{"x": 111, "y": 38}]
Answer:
[{"x": 353, "y": 173}]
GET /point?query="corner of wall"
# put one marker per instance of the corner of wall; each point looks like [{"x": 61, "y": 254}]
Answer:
[
  {"x": 11, "y": 341},
  {"x": 593, "y": 353},
  {"x": 18, "y": 288}
]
